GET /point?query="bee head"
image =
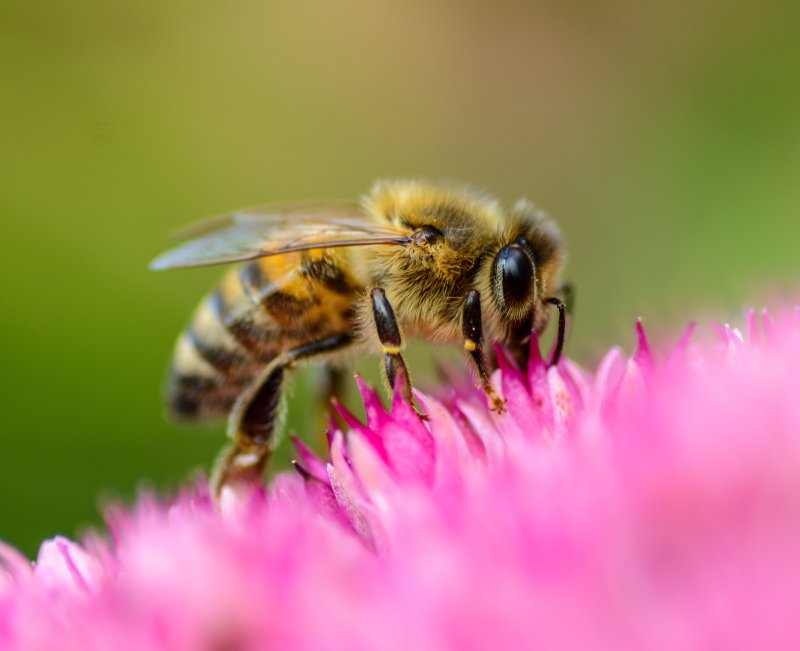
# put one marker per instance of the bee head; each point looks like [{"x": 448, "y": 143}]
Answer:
[
  {"x": 513, "y": 283},
  {"x": 522, "y": 272}
]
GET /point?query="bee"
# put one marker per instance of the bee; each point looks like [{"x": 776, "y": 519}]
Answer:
[{"x": 314, "y": 281}]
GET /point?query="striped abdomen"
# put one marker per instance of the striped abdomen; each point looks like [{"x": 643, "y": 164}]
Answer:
[{"x": 259, "y": 310}]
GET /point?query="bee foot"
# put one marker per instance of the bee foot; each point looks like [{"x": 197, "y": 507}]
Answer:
[{"x": 498, "y": 404}]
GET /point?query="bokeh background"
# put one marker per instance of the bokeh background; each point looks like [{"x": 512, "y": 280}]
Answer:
[{"x": 664, "y": 137}]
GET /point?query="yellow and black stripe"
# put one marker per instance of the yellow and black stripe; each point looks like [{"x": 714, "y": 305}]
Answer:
[{"x": 259, "y": 310}]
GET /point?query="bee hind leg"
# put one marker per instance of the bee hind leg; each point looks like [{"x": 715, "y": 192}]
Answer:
[
  {"x": 253, "y": 418},
  {"x": 333, "y": 384}
]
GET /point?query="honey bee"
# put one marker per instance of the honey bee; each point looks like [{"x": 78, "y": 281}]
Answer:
[{"x": 316, "y": 280}]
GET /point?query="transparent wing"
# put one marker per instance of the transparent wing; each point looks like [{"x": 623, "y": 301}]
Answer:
[
  {"x": 273, "y": 230},
  {"x": 272, "y": 214}
]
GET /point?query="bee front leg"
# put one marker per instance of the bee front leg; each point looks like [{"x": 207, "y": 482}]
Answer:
[
  {"x": 567, "y": 290},
  {"x": 558, "y": 347},
  {"x": 566, "y": 310},
  {"x": 391, "y": 341},
  {"x": 472, "y": 328},
  {"x": 253, "y": 418}
]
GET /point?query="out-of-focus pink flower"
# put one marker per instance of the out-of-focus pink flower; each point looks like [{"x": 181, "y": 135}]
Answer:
[{"x": 652, "y": 504}]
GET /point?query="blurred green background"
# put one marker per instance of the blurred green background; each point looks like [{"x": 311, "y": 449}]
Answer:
[{"x": 664, "y": 137}]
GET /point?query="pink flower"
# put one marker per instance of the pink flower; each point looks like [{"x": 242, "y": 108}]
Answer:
[{"x": 652, "y": 504}]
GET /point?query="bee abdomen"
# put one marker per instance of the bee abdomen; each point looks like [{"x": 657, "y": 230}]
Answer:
[
  {"x": 194, "y": 397},
  {"x": 201, "y": 385},
  {"x": 217, "y": 356},
  {"x": 259, "y": 310}
]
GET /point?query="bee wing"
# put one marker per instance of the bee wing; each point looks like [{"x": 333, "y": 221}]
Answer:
[
  {"x": 274, "y": 213},
  {"x": 260, "y": 232}
]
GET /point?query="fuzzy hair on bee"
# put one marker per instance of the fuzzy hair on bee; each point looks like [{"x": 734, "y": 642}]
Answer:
[{"x": 314, "y": 281}]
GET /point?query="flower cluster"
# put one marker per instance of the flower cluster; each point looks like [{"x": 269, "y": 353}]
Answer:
[{"x": 652, "y": 504}]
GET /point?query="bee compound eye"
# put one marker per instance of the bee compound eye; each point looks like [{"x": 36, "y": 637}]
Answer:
[{"x": 513, "y": 271}]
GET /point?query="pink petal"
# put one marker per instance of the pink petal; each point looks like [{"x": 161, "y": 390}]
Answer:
[
  {"x": 485, "y": 428},
  {"x": 564, "y": 401},
  {"x": 376, "y": 414},
  {"x": 322, "y": 499},
  {"x": 14, "y": 568},
  {"x": 607, "y": 381},
  {"x": 452, "y": 449},
  {"x": 578, "y": 379},
  {"x": 63, "y": 564},
  {"x": 751, "y": 326},
  {"x": 643, "y": 356},
  {"x": 372, "y": 472},
  {"x": 351, "y": 497},
  {"x": 517, "y": 396},
  {"x": 678, "y": 355},
  {"x": 310, "y": 461},
  {"x": 535, "y": 362},
  {"x": 540, "y": 395}
]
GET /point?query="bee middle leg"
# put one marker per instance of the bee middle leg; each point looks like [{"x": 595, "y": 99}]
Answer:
[
  {"x": 472, "y": 329},
  {"x": 252, "y": 421},
  {"x": 391, "y": 342}
]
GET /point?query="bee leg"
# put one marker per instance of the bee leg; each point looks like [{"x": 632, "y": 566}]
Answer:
[
  {"x": 558, "y": 347},
  {"x": 472, "y": 328},
  {"x": 252, "y": 421},
  {"x": 332, "y": 390},
  {"x": 519, "y": 343},
  {"x": 334, "y": 383},
  {"x": 391, "y": 342},
  {"x": 567, "y": 290}
]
